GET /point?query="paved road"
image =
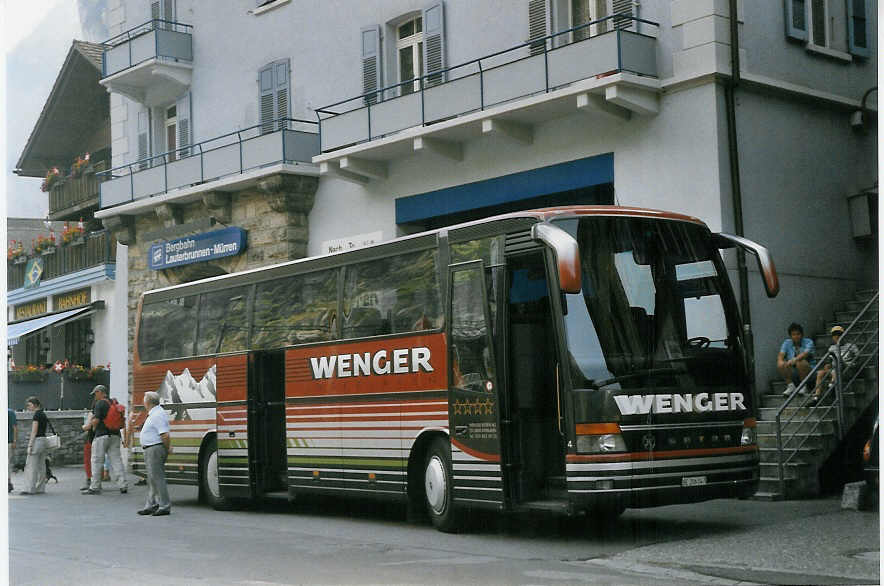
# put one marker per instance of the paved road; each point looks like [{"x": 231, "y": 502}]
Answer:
[{"x": 63, "y": 537}]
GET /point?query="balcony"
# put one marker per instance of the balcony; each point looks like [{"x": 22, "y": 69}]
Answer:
[
  {"x": 70, "y": 197},
  {"x": 98, "y": 248},
  {"x": 150, "y": 63},
  {"x": 612, "y": 73},
  {"x": 224, "y": 163}
]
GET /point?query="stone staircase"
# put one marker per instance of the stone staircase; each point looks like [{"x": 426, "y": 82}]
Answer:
[{"x": 814, "y": 433}]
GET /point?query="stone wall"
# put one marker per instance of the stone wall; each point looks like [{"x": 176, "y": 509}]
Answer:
[
  {"x": 67, "y": 424},
  {"x": 274, "y": 212}
]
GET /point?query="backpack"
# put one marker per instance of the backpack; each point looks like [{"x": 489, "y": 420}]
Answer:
[{"x": 116, "y": 416}]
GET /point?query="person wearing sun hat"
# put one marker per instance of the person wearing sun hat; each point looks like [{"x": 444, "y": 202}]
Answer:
[{"x": 826, "y": 374}]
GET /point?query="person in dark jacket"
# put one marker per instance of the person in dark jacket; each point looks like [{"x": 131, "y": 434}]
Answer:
[{"x": 35, "y": 467}]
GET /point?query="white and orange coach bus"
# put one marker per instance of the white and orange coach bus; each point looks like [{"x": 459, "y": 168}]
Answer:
[{"x": 575, "y": 359}]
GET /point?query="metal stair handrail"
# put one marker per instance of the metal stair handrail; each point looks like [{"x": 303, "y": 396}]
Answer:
[{"x": 868, "y": 348}]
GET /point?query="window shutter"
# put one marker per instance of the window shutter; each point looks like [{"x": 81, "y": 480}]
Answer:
[
  {"x": 796, "y": 19},
  {"x": 185, "y": 133},
  {"x": 623, "y": 8},
  {"x": 281, "y": 79},
  {"x": 434, "y": 42},
  {"x": 143, "y": 138},
  {"x": 538, "y": 23},
  {"x": 155, "y": 14},
  {"x": 371, "y": 62},
  {"x": 858, "y": 27},
  {"x": 266, "y": 86}
]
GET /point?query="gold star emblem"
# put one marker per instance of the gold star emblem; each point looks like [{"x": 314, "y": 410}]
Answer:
[
  {"x": 489, "y": 407},
  {"x": 458, "y": 408}
]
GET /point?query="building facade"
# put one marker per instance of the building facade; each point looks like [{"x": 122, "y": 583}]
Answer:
[
  {"x": 317, "y": 125},
  {"x": 65, "y": 297}
]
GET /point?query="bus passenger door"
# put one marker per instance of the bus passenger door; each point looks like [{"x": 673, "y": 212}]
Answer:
[
  {"x": 473, "y": 401},
  {"x": 267, "y": 422}
]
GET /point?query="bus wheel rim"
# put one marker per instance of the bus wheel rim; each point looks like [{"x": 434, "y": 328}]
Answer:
[
  {"x": 212, "y": 475},
  {"x": 435, "y": 485}
]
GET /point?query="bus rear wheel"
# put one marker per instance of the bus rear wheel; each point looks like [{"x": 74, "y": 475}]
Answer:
[
  {"x": 438, "y": 488},
  {"x": 210, "y": 485}
]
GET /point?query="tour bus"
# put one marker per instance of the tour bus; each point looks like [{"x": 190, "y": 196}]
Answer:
[{"x": 580, "y": 359}]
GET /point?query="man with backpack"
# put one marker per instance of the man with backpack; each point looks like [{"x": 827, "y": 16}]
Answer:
[{"x": 108, "y": 419}]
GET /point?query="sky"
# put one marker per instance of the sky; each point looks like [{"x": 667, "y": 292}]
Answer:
[{"x": 36, "y": 37}]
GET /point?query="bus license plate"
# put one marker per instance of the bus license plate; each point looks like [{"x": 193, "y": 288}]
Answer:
[{"x": 693, "y": 481}]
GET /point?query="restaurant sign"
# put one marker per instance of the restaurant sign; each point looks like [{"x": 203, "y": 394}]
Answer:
[
  {"x": 29, "y": 310},
  {"x": 71, "y": 300},
  {"x": 198, "y": 248}
]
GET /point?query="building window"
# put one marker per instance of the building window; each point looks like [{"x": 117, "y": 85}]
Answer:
[
  {"x": 171, "y": 132},
  {"x": 836, "y": 28},
  {"x": 37, "y": 348},
  {"x": 76, "y": 342},
  {"x": 410, "y": 52},
  {"x": 584, "y": 11}
]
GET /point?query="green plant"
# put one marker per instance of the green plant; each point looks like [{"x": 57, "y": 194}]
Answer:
[{"x": 28, "y": 374}]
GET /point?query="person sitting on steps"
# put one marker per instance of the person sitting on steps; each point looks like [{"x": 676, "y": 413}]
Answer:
[
  {"x": 825, "y": 376},
  {"x": 795, "y": 360}
]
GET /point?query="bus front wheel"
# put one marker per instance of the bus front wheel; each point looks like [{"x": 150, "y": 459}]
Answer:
[
  {"x": 438, "y": 488},
  {"x": 209, "y": 482}
]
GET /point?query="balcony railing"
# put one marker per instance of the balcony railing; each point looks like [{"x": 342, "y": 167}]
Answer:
[
  {"x": 99, "y": 248},
  {"x": 531, "y": 68},
  {"x": 155, "y": 39},
  {"x": 274, "y": 142},
  {"x": 73, "y": 192}
]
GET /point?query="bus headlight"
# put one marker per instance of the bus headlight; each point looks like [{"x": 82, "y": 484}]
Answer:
[
  {"x": 599, "y": 438},
  {"x": 749, "y": 436}
]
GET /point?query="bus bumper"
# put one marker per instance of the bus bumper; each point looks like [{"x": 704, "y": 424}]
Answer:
[{"x": 638, "y": 484}]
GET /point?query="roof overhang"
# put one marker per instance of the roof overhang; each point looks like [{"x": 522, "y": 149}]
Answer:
[{"x": 77, "y": 106}]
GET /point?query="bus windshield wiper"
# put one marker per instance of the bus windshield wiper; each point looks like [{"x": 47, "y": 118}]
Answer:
[{"x": 636, "y": 374}]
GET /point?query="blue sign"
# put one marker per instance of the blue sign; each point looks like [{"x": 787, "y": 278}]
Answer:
[{"x": 197, "y": 248}]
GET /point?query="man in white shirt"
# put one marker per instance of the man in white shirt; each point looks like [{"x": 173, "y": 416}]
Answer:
[{"x": 156, "y": 444}]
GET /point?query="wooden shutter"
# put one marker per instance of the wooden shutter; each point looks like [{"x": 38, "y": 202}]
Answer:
[
  {"x": 281, "y": 80},
  {"x": 266, "y": 87},
  {"x": 538, "y": 23},
  {"x": 625, "y": 8},
  {"x": 796, "y": 19},
  {"x": 858, "y": 27},
  {"x": 371, "y": 62},
  {"x": 185, "y": 132},
  {"x": 143, "y": 138},
  {"x": 434, "y": 42}
]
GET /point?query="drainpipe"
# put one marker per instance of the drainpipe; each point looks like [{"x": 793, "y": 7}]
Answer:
[{"x": 730, "y": 89}]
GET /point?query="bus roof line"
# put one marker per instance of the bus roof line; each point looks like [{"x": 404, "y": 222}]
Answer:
[{"x": 540, "y": 214}]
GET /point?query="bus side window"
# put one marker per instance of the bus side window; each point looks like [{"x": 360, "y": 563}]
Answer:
[
  {"x": 295, "y": 310},
  {"x": 223, "y": 324},
  {"x": 168, "y": 329}
]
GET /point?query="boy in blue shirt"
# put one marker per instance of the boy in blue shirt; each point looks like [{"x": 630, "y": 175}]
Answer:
[{"x": 795, "y": 360}]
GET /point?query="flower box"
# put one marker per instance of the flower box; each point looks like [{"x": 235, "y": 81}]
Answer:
[
  {"x": 48, "y": 250},
  {"x": 77, "y": 241},
  {"x": 19, "y": 260}
]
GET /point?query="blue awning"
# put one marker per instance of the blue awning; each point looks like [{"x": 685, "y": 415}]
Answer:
[
  {"x": 16, "y": 331},
  {"x": 525, "y": 185}
]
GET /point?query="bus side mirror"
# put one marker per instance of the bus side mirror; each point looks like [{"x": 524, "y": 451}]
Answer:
[
  {"x": 761, "y": 254},
  {"x": 567, "y": 254}
]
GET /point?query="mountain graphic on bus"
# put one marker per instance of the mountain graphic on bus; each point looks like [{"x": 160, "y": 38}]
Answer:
[{"x": 182, "y": 390}]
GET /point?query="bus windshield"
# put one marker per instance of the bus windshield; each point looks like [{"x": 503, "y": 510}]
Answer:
[{"x": 655, "y": 309}]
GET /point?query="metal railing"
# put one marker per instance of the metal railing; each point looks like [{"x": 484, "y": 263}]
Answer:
[
  {"x": 270, "y": 142},
  {"x": 170, "y": 39},
  {"x": 481, "y": 69},
  {"x": 72, "y": 191},
  {"x": 98, "y": 248},
  {"x": 864, "y": 331}
]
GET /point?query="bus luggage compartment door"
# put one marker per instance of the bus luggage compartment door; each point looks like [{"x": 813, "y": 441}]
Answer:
[{"x": 473, "y": 402}]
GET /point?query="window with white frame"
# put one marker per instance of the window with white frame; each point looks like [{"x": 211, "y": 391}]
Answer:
[
  {"x": 584, "y": 11},
  {"x": 170, "y": 134},
  {"x": 410, "y": 53},
  {"x": 838, "y": 28}
]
